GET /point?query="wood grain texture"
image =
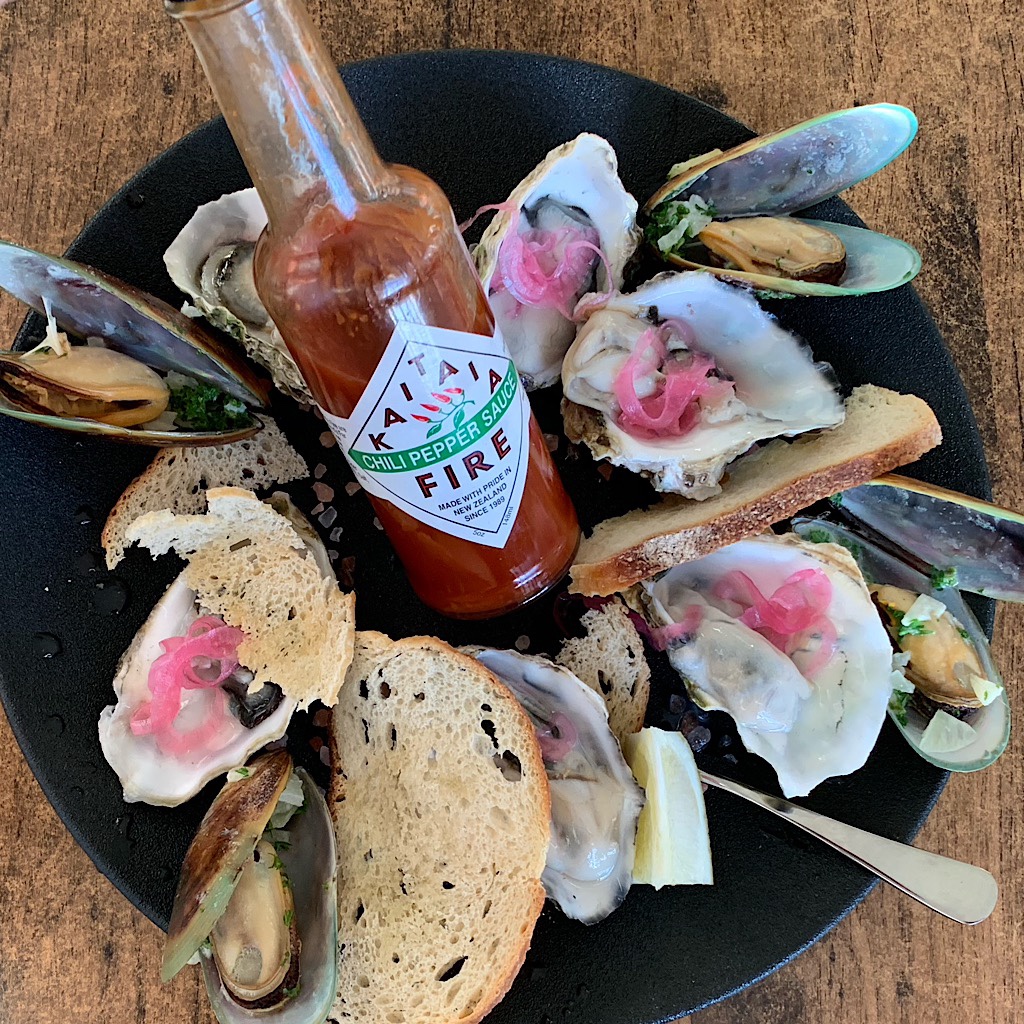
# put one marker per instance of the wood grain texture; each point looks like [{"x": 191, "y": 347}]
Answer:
[{"x": 88, "y": 94}]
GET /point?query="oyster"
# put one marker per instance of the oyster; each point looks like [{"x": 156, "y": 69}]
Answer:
[
  {"x": 210, "y": 260},
  {"x": 215, "y": 727},
  {"x": 110, "y": 387},
  {"x": 595, "y": 801},
  {"x": 539, "y": 254},
  {"x": 782, "y": 635},
  {"x": 741, "y": 379},
  {"x": 257, "y": 894},
  {"x": 773, "y": 176},
  {"x": 990, "y": 723}
]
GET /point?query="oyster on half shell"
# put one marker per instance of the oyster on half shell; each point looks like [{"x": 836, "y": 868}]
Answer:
[
  {"x": 763, "y": 382},
  {"x": 573, "y": 194},
  {"x": 812, "y": 713},
  {"x": 159, "y": 774},
  {"x": 595, "y": 801},
  {"x": 211, "y": 261}
]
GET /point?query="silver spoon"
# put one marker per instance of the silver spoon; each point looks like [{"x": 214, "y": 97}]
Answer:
[{"x": 956, "y": 890}]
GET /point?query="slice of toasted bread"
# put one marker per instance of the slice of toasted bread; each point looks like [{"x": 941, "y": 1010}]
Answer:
[
  {"x": 610, "y": 659},
  {"x": 442, "y": 813},
  {"x": 882, "y": 430},
  {"x": 179, "y": 477},
  {"x": 249, "y": 565}
]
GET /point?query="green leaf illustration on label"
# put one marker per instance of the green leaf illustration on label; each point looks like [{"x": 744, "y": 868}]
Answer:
[{"x": 442, "y": 432}]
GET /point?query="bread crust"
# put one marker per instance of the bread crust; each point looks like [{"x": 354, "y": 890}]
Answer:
[{"x": 882, "y": 430}]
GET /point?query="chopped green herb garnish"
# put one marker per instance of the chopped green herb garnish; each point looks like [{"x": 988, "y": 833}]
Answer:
[
  {"x": 898, "y": 705},
  {"x": 819, "y": 537},
  {"x": 677, "y": 222},
  {"x": 289, "y": 917},
  {"x": 291, "y": 993},
  {"x": 767, "y": 293},
  {"x": 963, "y": 632},
  {"x": 277, "y": 864},
  {"x": 205, "y": 407},
  {"x": 906, "y": 627},
  {"x": 836, "y": 500},
  {"x": 943, "y": 579}
]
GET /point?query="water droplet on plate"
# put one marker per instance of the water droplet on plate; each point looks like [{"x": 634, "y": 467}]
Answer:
[
  {"x": 48, "y": 645},
  {"x": 89, "y": 562},
  {"x": 109, "y": 596},
  {"x": 54, "y": 725},
  {"x": 84, "y": 515}
]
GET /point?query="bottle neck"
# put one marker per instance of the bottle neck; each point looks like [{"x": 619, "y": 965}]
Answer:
[{"x": 288, "y": 111}]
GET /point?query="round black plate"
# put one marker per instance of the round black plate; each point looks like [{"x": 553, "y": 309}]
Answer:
[{"x": 477, "y": 123}]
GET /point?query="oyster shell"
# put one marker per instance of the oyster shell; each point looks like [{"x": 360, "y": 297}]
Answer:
[
  {"x": 810, "y": 720},
  {"x": 109, "y": 387},
  {"x": 775, "y": 175},
  {"x": 595, "y": 801},
  {"x": 779, "y": 391},
  {"x": 149, "y": 774},
  {"x": 210, "y": 260},
  {"x": 577, "y": 187},
  {"x": 991, "y": 723}
]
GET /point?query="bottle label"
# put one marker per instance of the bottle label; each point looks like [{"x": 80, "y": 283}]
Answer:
[{"x": 442, "y": 431}]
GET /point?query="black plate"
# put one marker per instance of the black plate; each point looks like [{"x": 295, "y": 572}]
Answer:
[{"x": 477, "y": 123}]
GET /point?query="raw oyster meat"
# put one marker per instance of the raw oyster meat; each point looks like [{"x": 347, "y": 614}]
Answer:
[
  {"x": 595, "y": 801},
  {"x": 211, "y": 261},
  {"x": 740, "y": 378},
  {"x": 782, "y": 635},
  {"x": 539, "y": 254}
]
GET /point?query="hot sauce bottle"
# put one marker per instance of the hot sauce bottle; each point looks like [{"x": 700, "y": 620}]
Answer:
[{"x": 364, "y": 271}]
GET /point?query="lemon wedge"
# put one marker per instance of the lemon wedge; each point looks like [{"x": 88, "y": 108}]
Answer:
[{"x": 672, "y": 845}]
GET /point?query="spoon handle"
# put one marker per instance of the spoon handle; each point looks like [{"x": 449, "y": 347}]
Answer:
[{"x": 959, "y": 891}]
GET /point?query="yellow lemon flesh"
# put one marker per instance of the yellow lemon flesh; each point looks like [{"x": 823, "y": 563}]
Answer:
[{"x": 672, "y": 845}]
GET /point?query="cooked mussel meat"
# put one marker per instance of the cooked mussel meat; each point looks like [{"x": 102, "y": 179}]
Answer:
[
  {"x": 86, "y": 382},
  {"x": 776, "y": 246}
]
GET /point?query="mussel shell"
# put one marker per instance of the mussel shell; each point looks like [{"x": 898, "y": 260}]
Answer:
[
  {"x": 793, "y": 169},
  {"x": 874, "y": 263},
  {"x": 992, "y": 723},
  {"x": 799, "y": 166},
  {"x": 226, "y": 839},
  {"x": 88, "y": 303},
  {"x": 310, "y": 864},
  {"x": 945, "y": 530}
]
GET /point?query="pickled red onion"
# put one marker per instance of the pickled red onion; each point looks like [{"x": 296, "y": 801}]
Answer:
[
  {"x": 795, "y": 612},
  {"x": 661, "y": 637},
  {"x": 204, "y": 658},
  {"x": 674, "y": 410},
  {"x": 557, "y": 738}
]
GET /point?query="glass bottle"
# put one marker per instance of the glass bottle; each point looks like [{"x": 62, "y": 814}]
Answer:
[{"x": 366, "y": 275}]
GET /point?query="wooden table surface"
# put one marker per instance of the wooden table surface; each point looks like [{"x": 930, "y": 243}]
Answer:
[{"x": 89, "y": 93}]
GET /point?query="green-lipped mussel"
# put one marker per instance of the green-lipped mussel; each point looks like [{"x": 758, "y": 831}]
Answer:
[
  {"x": 944, "y": 677},
  {"x": 970, "y": 543},
  {"x": 112, "y": 386},
  {"x": 257, "y": 900},
  {"x": 729, "y": 212}
]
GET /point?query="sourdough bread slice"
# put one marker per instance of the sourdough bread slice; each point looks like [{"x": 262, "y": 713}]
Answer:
[
  {"x": 610, "y": 659},
  {"x": 179, "y": 477},
  {"x": 249, "y": 565},
  {"x": 442, "y": 814},
  {"x": 882, "y": 430}
]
